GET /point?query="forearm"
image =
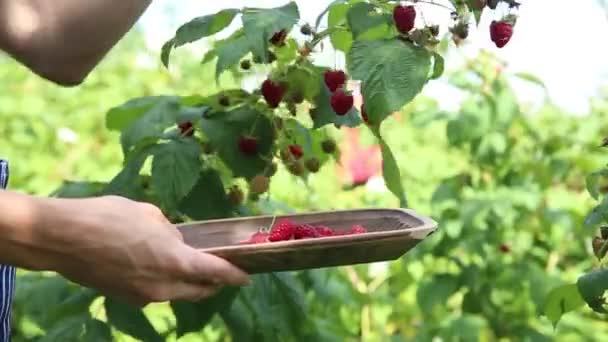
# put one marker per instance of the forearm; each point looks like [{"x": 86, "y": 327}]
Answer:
[{"x": 63, "y": 40}]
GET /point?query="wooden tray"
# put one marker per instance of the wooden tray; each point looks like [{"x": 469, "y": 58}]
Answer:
[{"x": 391, "y": 234}]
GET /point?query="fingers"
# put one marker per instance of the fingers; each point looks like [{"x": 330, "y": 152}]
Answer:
[{"x": 206, "y": 268}]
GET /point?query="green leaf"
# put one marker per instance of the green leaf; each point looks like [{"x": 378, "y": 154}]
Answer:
[
  {"x": 323, "y": 114},
  {"x": 390, "y": 172},
  {"x": 231, "y": 50},
  {"x": 592, "y": 286},
  {"x": 362, "y": 17},
  {"x": 125, "y": 183},
  {"x": 261, "y": 24},
  {"x": 598, "y": 215},
  {"x": 224, "y": 131},
  {"x": 238, "y": 320},
  {"x": 131, "y": 321},
  {"x": 208, "y": 199},
  {"x": 562, "y": 300},
  {"x": 78, "y": 189},
  {"x": 340, "y": 38},
  {"x": 304, "y": 79},
  {"x": 204, "y": 26},
  {"x": 531, "y": 78},
  {"x": 96, "y": 330},
  {"x": 438, "y": 66},
  {"x": 151, "y": 124},
  {"x": 593, "y": 182},
  {"x": 70, "y": 329},
  {"x": 175, "y": 169},
  {"x": 392, "y": 73},
  {"x": 76, "y": 304},
  {"x": 165, "y": 52},
  {"x": 193, "y": 317},
  {"x": 122, "y": 116},
  {"x": 436, "y": 291},
  {"x": 326, "y": 10}
]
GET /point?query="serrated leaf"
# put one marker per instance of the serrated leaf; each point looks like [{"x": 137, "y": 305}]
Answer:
[
  {"x": 436, "y": 291},
  {"x": 224, "y": 129},
  {"x": 231, "y": 51},
  {"x": 74, "y": 305},
  {"x": 392, "y": 72},
  {"x": 175, "y": 170},
  {"x": 204, "y": 26},
  {"x": 340, "y": 38},
  {"x": 562, "y": 300},
  {"x": 323, "y": 114},
  {"x": 150, "y": 124},
  {"x": 438, "y": 66},
  {"x": 592, "y": 287},
  {"x": 96, "y": 330},
  {"x": 131, "y": 321},
  {"x": 194, "y": 316},
  {"x": 304, "y": 80},
  {"x": 391, "y": 172},
  {"x": 362, "y": 17},
  {"x": 70, "y": 329},
  {"x": 260, "y": 24},
  {"x": 238, "y": 320},
  {"x": 125, "y": 182},
  {"x": 207, "y": 200},
  {"x": 593, "y": 182},
  {"x": 122, "y": 116}
]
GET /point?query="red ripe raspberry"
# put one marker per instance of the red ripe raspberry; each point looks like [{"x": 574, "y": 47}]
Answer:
[
  {"x": 256, "y": 238},
  {"x": 186, "y": 128},
  {"x": 272, "y": 92},
  {"x": 334, "y": 79},
  {"x": 404, "y": 17},
  {"x": 357, "y": 229},
  {"x": 341, "y": 102},
  {"x": 500, "y": 33},
  {"x": 305, "y": 232},
  {"x": 248, "y": 145},
  {"x": 296, "y": 151},
  {"x": 324, "y": 231},
  {"x": 278, "y": 39},
  {"x": 282, "y": 231}
]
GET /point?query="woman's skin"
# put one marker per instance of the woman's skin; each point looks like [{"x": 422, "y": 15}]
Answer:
[{"x": 123, "y": 248}]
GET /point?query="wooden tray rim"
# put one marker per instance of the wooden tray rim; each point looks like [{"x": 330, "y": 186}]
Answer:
[{"x": 428, "y": 226}]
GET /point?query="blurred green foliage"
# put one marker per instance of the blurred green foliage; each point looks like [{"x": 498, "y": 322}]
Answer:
[{"x": 505, "y": 183}]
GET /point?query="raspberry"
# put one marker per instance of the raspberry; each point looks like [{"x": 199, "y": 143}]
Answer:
[
  {"x": 500, "y": 33},
  {"x": 313, "y": 165},
  {"x": 404, "y": 17},
  {"x": 224, "y": 100},
  {"x": 328, "y": 146},
  {"x": 296, "y": 151},
  {"x": 278, "y": 39},
  {"x": 259, "y": 184},
  {"x": 296, "y": 168},
  {"x": 505, "y": 248},
  {"x": 305, "y": 232},
  {"x": 282, "y": 231},
  {"x": 306, "y": 30},
  {"x": 248, "y": 145},
  {"x": 256, "y": 238},
  {"x": 246, "y": 65},
  {"x": 235, "y": 195},
  {"x": 186, "y": 128},
  {"x": 357, "y": 229},
  {"x": 272, "y": 92},
  {"x": 341, "y": 102},
  {"x": 334, "y": 79},
  {"x": 324, "y": 231}
]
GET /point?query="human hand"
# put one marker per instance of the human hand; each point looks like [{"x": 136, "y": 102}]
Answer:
[{"x": 129, "y": 250}]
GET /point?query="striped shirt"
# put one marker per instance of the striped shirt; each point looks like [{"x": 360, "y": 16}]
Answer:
[{"x": 7, "y": 277}]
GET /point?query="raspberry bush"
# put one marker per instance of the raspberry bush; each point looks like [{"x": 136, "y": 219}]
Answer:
[{"x": 215, "y": 155}]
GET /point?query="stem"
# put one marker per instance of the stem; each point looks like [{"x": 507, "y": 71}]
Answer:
[{"x": 323, "y": 34}]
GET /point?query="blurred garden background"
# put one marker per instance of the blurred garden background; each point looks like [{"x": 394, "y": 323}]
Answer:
[{"x": 497, "y": 151}]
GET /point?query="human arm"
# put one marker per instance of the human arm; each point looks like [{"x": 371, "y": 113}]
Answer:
[
  {"x": 63, "y": 40},
  {"x": 124, "y": 248}
]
